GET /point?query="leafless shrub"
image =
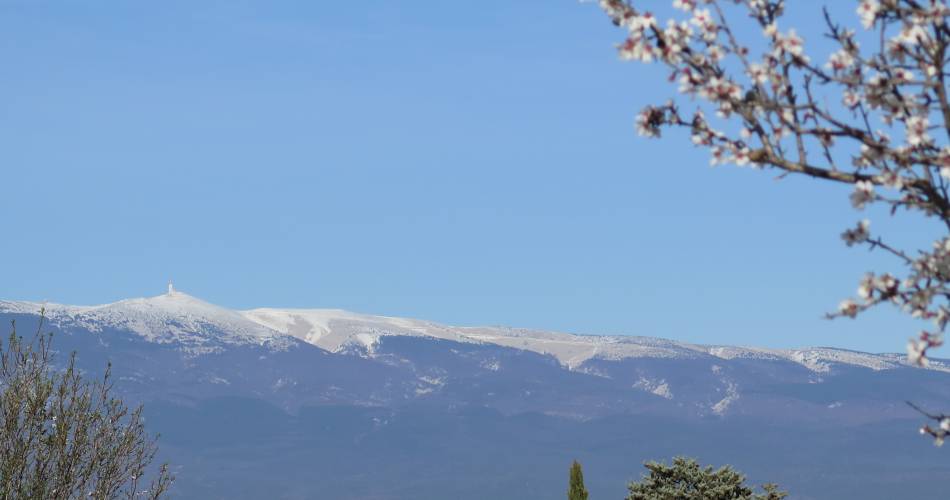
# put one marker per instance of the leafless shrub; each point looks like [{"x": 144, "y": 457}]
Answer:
[{"x": 63, "y": 437}]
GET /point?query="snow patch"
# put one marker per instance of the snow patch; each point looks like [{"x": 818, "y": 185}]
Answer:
[
  {"x": 368, "y": 341},
  {"x": 283, "y": 382},
  {"x": 657, "y": 387},
  {"x": 435, "y": 381},
  {"x": 493, "y": 365},
  {"x": 732, "y": 395}
]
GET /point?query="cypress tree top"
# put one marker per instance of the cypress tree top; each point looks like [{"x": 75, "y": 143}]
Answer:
[{"x": 576, "y": 489}]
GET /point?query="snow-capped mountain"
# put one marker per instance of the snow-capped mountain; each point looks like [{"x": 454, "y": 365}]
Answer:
[
  {"x": 170, "y": 318},
  {"x": 333, "y": 351},
  {"x": 334, "y": 329},
  {"x": 319, "y": 383},
  {"x": 198, "y": 326}
]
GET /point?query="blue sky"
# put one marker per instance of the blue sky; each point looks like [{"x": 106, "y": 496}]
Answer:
[{"x": 465, "y": 162}]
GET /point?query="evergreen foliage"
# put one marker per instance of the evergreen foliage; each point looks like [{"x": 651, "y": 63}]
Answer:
[
  {"x": 576, "y": 489},
  {"x": 685, "y": 479}
]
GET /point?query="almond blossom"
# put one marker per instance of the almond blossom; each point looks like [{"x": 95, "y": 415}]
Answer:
[
  {"x": 858, "y": 234},
  {"x": 867, "y": 11},
  {"x": 875, "y": 119},
  {"x": 863, "y": 193}
]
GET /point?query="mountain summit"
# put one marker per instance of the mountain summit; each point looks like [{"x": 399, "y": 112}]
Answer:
[{"x": 171, "y": 318}]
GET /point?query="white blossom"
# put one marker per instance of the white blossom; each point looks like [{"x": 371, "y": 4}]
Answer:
[
  {"x": 840, "y": 60},
  {"x": 686, "y": 5},
  {"x": 866, "y": 287},
  {"x": 867, "y": 11},
  {"x": 647, "y": 122},
  {"x": 741, "y": 156},
  {"x": 701, "y": 18},
  {"x": 851, "y": 99},
  {"x": 917, "y": 130},
  {"x": 863, "y": 193},
  {"x": 791, "y": 44},
  {"x": 904, "y": 75},
  {"x": 858, "y": 234},
  {"x": 848, "y": 308},
  {"x": 758, "y": 73},
  {"x": 916, "y": 352},
  {"x": 717, "y": 155},
  {"x": 913, "y": 34}
]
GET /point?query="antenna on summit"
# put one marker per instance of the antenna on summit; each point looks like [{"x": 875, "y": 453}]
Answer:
[{"x": 171, "y": 288}]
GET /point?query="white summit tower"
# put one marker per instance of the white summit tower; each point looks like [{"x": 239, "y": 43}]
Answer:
[{"x": 171, "y": 288}]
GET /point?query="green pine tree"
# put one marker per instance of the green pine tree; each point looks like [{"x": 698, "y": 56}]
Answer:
[
  {"x": 685, "y": 479},
  {"x": 576, "y": 489}
]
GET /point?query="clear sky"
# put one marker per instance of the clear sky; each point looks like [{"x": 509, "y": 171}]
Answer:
[{"x": 464, "y": 162}]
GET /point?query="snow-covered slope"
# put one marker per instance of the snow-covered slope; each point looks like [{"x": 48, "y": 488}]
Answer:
[
  {"x": 198, "y": 326},
  {"x": 174, "y": 317},
  {"x": 334, "y": 330}
]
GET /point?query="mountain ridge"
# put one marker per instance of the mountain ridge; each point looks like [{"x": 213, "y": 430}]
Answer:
[{"x": 178, "y": 317}]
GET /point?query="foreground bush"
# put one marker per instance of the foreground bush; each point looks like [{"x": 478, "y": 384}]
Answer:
[
  {"x": 685, "y": 479},
  {"x": 62, "y": 437}
]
